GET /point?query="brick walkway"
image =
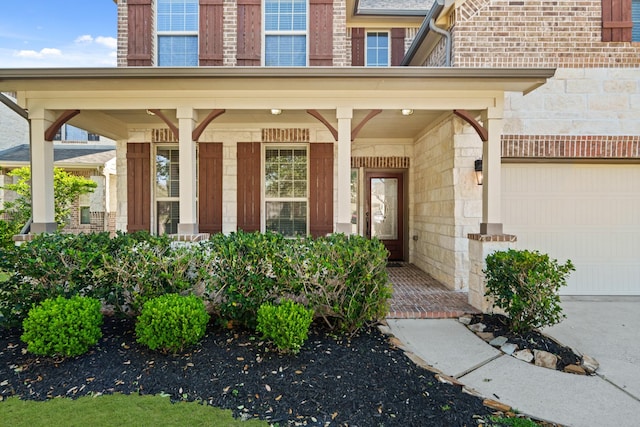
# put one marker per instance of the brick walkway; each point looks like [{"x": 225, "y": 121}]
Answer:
[{"x": 417, "y": 295}]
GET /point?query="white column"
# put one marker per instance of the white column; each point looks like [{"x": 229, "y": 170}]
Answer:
[
  {"x": 343, "y": 208},
  {"x": 43, "y": 210},
  {"x": 491, "y": 171},
  {"x": 188, "y": 214}
]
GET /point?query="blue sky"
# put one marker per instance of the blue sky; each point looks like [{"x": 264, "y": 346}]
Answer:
[{"x": 57, "y": 33}]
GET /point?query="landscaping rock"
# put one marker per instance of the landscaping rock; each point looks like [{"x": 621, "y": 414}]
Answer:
[
  {"x": 524, "y": 355},
  {"x": 465, "y": 320},
  {"x": 498, "y": 341},
  {"x": 545, "y": 359},
  {"x": 477, "y": 327},
  {"x": 487, "y": 336},
  {"x": 508, "y": 348},
  {"x": 590, "y": 364},
  {"x": 575, "y": 369}
]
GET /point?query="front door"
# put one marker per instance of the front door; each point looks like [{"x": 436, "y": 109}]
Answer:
[{"x": 383, "y": 211}]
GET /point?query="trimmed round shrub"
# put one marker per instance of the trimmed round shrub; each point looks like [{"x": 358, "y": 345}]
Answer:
[
  {"x": 287, "y": 325},
  {"x": 171, "y": 322},
  {"x": 63, "y": 327}
]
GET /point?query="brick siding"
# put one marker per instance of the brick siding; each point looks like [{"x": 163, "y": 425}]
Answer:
[{"x": 571, "y": 146}]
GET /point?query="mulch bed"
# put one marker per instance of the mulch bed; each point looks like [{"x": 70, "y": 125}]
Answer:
[
  {"x": 533, "y": 340},
  {"x": 363, "y": 381}
]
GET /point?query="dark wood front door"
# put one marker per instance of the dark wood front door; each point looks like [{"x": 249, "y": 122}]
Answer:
[{"x": 384, "y": 211}]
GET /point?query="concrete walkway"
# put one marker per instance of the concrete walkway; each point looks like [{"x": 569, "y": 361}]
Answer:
[{"x": 606, "y": 329}]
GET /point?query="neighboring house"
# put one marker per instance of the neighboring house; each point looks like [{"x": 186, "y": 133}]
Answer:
[
  {"x": 296, "y": 116},
  {"x": 76, "y": 151}
]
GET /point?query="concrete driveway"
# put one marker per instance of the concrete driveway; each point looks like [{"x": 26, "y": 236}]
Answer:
[{"x": 608, "y": 329}]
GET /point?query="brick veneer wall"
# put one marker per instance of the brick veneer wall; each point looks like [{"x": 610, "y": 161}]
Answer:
[
  {"x": 536, "y": 33},
  {"x": 123, "y": 33},
  {"x": 571, "y": 146}
]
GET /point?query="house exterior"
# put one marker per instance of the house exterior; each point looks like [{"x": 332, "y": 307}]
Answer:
[{"x": 320, "y": 116}]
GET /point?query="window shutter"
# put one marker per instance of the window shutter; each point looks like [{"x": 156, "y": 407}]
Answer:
[
  {"x": 210, "y": 187},
  {"x": 616, "y": 20},
  {"x": 320, "y": 189},
  {"x": 321, "y": 33},
  {"x": 139, "y": 27},
  {"x": 357, "y": 47},
  {"x": 211, "y": 32},
  {"x": 138, "y": 187},
  {"x": 397, "y": 46},
  {"x": 249, "y": 186},
  {"x": 249, "y": 32}
]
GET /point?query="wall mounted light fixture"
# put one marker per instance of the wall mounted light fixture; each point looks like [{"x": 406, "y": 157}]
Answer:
[{"x": 478, "y": 170}]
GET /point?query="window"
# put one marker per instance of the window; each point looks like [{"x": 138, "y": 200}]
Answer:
[
  {"x": 167, "y": 190},
  {"x": 72, "y": 133},
  {"x": 286, "y": 190},
  {"x": 377, "y": 49},
  {"x": 635, "y": 18},
  {"x": 85, "y": 211},
  {"x": 177, "y": 25},
  {"x": 285, "y": 28}
]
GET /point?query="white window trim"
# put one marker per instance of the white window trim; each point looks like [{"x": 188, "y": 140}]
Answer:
[
  {"x": 266, "y": 33},
  {"x": 154, "y": 189},
  {"x": 159, "y": 34},
  {"x": 366, "y": 47},
  {"x": 263, "y": 183}
]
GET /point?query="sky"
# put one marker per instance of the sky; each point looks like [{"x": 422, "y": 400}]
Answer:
[{"x": 57, "y": 33}]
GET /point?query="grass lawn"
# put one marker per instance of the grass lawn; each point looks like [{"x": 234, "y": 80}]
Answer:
[{"x": 117, "y": 409}]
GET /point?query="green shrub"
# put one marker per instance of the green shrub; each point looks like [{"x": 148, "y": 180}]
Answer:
[
  {"x": 171, "y": 322},
  {"x": 63, "y": 327},
  {"x": 525, "y": 285},
  {"x": 287, "y": 324}
]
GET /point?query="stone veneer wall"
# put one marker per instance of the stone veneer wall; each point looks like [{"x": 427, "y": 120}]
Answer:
[{"x": 446, "y": 204}]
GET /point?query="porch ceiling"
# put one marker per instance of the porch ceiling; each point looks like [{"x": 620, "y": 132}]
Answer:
[{"x": 113, "y": 100}]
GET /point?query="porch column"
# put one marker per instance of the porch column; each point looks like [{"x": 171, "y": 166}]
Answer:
[
  {"x": 187, "y": 147},
  {"x": 491, "y": 166},
  {"x": 343, "y": 223},
  {"x": 42, "y": 205}
]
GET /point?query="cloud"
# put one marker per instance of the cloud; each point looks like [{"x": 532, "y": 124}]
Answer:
[
  {"x": 110, "y": 42},
  {"x": 84, "y": 39},
  {"x": 46, "y": 52}
]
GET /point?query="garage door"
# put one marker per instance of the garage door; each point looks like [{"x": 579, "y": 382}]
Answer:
[{"x": 587, "y": 213}]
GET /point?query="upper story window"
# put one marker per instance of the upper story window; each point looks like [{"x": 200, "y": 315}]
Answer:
[
  {"x": 177, "y": 25},
  {"x": 635, "y": 18},
  {"x": 285, "y": 29},
  {"x": 72, "y": 133},
  {"x": 377, "y": 49}
]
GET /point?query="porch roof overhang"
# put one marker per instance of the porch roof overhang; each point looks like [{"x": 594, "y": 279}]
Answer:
[{"x": 113, "y": 100}]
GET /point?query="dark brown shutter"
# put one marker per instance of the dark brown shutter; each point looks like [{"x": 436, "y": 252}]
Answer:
[
  {"x": 249, "y": 32},
  {"x": 320, "y": 189},
  {"x": 249, "y": 186},
  {"x": 321, "y": 33},
  {"x": 210, "y": 188},
  {"x": 357, "y": 47},
  {"x": 616, "y": 21},
  {"x": 138, "y": 187},
  {"x": 211, "y": 32},
  {"x": 397, "y": 46},
  {"x": 139, "y": 35}
]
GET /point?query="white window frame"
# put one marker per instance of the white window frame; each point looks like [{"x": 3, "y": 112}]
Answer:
[
  {"x": 266, "y": 33},
  {"x": 155, "y": 196},
  {"x": 366, "y": 47},
  {"x": 159, "y": 34},
  {"x": 84, "y": 201},
  {"x": 263, "y": 183}
]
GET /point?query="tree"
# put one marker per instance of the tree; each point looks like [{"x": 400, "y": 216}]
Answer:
[{"x": 66, "y": 190}]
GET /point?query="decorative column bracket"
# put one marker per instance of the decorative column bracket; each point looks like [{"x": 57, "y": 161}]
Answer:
[
  {"x": 197, "y": 132},
  {"x": 52, "y": 130},
  {"x": 480, "y": 129},
  {"x": 334, "y": 132},
  {"x": 174, "y": 128}
]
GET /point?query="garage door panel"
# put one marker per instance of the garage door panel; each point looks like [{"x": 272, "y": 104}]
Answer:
[{"x": 587, "y": 213}]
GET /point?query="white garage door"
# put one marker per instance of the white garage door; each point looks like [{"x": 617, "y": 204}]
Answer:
[{"x": 587, "y": 213}]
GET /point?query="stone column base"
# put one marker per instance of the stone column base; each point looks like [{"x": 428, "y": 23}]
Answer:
[
  {"x": 481, "y": 245},
  {"x": 43, "y": 227}
]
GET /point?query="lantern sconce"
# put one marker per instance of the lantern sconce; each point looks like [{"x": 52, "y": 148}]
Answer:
[{"x": 478, "y": 170}]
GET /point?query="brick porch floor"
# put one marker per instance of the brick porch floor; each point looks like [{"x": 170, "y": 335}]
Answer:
[{"x": 417, "y": 295}]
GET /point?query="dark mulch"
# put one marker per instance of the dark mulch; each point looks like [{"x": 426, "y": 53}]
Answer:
[
  {"x": 363, "y": 381},
  {"x": 533, "y": 340}
]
